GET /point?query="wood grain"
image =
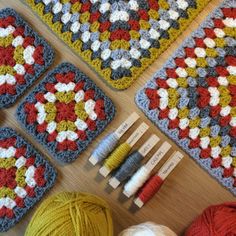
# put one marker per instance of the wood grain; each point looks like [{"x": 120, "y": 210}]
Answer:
[{"x": 186, "y": 192}]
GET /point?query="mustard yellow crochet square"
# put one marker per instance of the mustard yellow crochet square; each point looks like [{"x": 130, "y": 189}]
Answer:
[{"x": 119, "y": 39}]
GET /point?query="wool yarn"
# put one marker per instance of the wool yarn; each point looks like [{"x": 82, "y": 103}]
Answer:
[
  {"x": 117, "y": 156},
  {"x": 215, "y": 220},
  {"x": 136, "y": 181},
  {"x": 150, "y": 188},
  {"x": 147, "y": 229},
  {"x": 130, "y": 165},
  {"x": 105, "y": 147},
  {"x": 72, "y": 214}
]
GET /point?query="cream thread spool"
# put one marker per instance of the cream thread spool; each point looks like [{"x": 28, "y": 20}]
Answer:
[
  {"x": 143, "y": 173},
  {"x": 152, "y": 186},
  {"x": 120, "y": 153},
  {"x": 107, "y": 145},
  {"x": 133, "y": 162}
]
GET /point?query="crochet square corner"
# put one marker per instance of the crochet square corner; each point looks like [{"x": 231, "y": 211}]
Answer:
[
  {"x": 65, "y": 112},
  {"x": 25, "y": 176},
  {"x": 119, "y": 39},
  {"x": 24, "y": 56},
  {"x": 192, "y": 98}
]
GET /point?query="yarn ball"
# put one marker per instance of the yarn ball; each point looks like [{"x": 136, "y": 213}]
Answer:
[
  {"x": 147, "y": 229},
  {"x": 215, "y": 220},
  {"x": 72, "y": 214}
]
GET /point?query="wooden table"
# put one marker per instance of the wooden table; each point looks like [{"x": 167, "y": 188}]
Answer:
[{"x": 187, "y": 191}]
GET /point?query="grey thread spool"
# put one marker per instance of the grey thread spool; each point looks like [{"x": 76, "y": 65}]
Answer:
[
  {"x": 105, "y": 147},
  {"x": 131, "y": 164}
]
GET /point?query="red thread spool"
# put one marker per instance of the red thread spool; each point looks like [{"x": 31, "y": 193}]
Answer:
[
  {"x": 150, "y": 188},
  {"x": 218, "y": 220}
]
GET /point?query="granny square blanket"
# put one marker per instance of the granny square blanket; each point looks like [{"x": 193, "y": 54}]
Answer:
[
  {"x": 25, "y": 176},
  {"x": 192, "y": 98},
  {"x": 118, "y": 38},
  {"x": 65, "y": 112},
  {"x": 24, "y": 56}
]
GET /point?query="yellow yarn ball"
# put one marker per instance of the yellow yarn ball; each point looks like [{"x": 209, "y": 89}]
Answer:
[{"x": 71, "y": 214}]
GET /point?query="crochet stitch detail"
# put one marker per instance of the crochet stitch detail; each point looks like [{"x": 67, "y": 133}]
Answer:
[
  {"x": 193, "y": 98},
  {"x": 65, "y": 112},
  {"x": 24, "y": 56},
  {"x": 24, "y": 177},
  {"x": 119, "y": 39}
]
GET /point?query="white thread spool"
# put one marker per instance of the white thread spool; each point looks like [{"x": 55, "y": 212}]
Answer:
[{"x": 139, "y": 178}]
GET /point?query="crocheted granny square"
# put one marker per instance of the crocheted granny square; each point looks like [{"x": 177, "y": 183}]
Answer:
[
  {"x": 24, "y": 56},
  {"x": 24, "y": 177},
  {"x": 118, "y": 38},
  {"x": 65, "y": 112},
  {"x": 193, "y": 98}
]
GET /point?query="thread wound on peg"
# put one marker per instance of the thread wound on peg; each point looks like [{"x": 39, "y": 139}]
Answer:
[
  {"x": 131, "y": 164},
  {"x": 137, "y": 180},
  {"x": 150, "y": 188},
  {"x": 117, "y": 156},
  {"x": 105, "y": 147}
]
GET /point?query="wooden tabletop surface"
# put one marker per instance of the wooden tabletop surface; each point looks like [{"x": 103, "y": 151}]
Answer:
[{"x": 186, "y": 192}]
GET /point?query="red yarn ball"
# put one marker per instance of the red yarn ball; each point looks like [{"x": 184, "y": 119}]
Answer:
[{"x": 218, "y": 220}]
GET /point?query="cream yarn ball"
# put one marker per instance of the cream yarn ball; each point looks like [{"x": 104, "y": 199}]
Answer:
[{"x": 148, "y": 229}]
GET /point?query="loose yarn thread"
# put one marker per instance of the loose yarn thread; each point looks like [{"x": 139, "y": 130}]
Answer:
[
  {"x": 131, "y": 164},
  {"x": 150, "y": 188},
  {"x": 215, "y": 220},
  {"x": 117, "y": 156},
  {"x": 72, "y": 213},
  {"x": 148, "y": 229},
  {"x": 136, "y": 181},
  {"x": 105, "y": 147}
]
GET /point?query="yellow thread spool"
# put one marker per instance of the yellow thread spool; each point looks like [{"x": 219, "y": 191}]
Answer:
[{"x": 117, "y": 156}]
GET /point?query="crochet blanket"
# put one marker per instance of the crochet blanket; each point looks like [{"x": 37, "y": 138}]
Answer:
[
  {"x": 192, "y": 98},
  {"x": 119, "y": 39}
]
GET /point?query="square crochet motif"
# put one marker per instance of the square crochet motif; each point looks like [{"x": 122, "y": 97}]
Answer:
[
  {"x": 24, "y": 177},
  {"x": 193, "y": 98},
  {"x": 118, "y": 38},
  {"x": 24, "y": 56},
  {"x": 65, "y": 112}
]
